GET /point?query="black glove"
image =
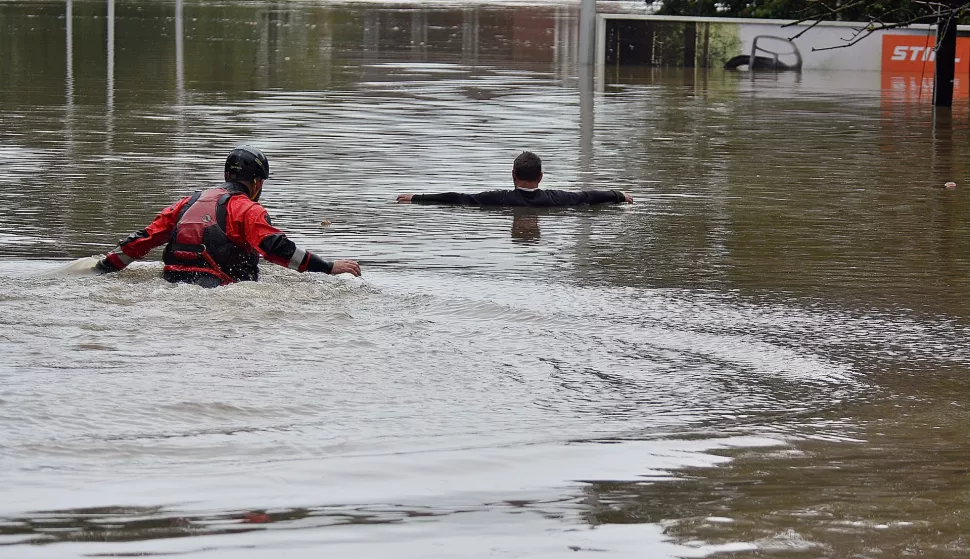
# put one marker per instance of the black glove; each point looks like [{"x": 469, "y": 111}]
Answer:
[{"x": 103, "y": 267}]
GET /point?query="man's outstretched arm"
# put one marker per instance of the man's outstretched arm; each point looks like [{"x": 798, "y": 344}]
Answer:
[
  {"x": 595, "y": 197},
  {"x": 273, "y": 244},
  {"x": 139, "y": 243},
  {"x": 456, "y": 198}
]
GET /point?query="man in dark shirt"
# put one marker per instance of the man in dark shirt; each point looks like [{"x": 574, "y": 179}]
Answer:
[{"x": 526, "y": 174}]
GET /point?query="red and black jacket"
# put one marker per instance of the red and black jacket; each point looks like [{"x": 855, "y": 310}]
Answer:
[
  {"x": 199, "y": 242},
  {"x": 233, "y": 229}
]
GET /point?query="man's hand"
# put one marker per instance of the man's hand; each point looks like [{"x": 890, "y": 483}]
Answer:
[
  {"x": 629, "y": 199},
  {"x": 345, "y": 267},
  {"x": 404, "y": 198}
]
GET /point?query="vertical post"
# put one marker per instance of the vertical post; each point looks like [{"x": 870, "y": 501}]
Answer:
[
  {"x": 372, "y": 34},
  {"x": 556, "y": 50},
  {"x": 111, "y": 57},
  {"x": 109, "y": 112},
  {"x": 69, "y": 80},
  {"x": 179, "y": 54},
  {"x": 419, "y": 32},
  {"x": 587, "y": 63},
  {"x": 587, "y": 32},
  {"x": 946, "y": 51},
  {"x": 650, "y": 39},
  {"x": 706, "y": 49},
  {"x": 263, "y": 49},
  {"x": 326, "y": 50},
  {"x": 587, "y": 124},
  {"x": 690, "y": 44},
  {"x": 180, "y": 135},
  {"x": 69, "y": 40},
  {"x": 600, "y": 80},
  {"x": 466, "y": 35}
]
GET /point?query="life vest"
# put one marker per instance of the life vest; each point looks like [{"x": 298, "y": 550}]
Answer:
[{"x": 199, "y": 243}]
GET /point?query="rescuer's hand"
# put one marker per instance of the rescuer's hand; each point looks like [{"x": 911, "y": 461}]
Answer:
[
  {"x": 345, "y": 267},
  {"x": 102, "y": 267}
]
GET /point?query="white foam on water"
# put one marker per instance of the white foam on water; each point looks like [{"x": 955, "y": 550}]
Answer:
[{"x": 79, "y": 267}]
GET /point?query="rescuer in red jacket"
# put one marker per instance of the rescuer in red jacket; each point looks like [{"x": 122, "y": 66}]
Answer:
[{"x": 215, "y": 237}]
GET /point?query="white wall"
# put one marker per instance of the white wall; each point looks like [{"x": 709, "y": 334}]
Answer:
[{"x": 865, "y": 55}]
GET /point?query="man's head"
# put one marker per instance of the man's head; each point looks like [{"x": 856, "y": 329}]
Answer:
[
  {"x": 249, "y": 166},
  {"x": 527, "y": 170}
]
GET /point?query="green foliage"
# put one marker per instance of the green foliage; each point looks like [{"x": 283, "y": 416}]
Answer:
[{"x": 724, "y": 42}]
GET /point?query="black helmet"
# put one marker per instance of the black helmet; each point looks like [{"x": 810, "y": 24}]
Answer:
[{"x": 246, "y": 163}]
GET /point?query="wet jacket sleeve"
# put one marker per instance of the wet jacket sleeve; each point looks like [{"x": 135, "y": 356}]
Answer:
[
  {"x": 249, "y": 224},
  {"x": 139, "y": 243},
  {"x": 491, "y": 198},
  {"x": 566, "y": 198}
]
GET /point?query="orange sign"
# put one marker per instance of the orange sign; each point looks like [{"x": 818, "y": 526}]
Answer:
[{"x": 916, "y": 54}]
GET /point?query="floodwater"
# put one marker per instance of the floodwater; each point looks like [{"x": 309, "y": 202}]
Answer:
[{"x": 766, "y": 355}]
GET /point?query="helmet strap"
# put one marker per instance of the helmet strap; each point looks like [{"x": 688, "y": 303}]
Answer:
[{"x": 255, "y": 189}]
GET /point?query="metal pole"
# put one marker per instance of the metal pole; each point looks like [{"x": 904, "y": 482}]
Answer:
[
  {"x": 587, "y": 125},
  {"x": 180, "y": 134},
  {"x": 946, "y": 48},
  {"x": 69, "y": 83},
  {"x": 587, "y": 32},
  {"x": 69, "y": 77},
  {"x": 179, "y": 53},
  {"x": 111, "y": 57}
]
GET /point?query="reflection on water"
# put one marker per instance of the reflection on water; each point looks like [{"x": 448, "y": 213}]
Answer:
[
  {"x": 899, "y": 492},
  {"x": 525, "y": 227},
  {"x": 763, "y": 355}
]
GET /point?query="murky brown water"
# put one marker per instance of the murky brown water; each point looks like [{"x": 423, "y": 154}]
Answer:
[{"x": 766, "y": 355}]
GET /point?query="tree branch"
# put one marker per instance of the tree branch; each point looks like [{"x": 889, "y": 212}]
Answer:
[{"x": 876, "y": 22}]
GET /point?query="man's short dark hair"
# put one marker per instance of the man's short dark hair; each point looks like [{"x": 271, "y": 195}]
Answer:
[{"x": 527, "y": 166}]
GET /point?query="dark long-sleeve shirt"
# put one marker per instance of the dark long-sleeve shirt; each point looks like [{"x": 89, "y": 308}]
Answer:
[{"x": 522, "y": 197}]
